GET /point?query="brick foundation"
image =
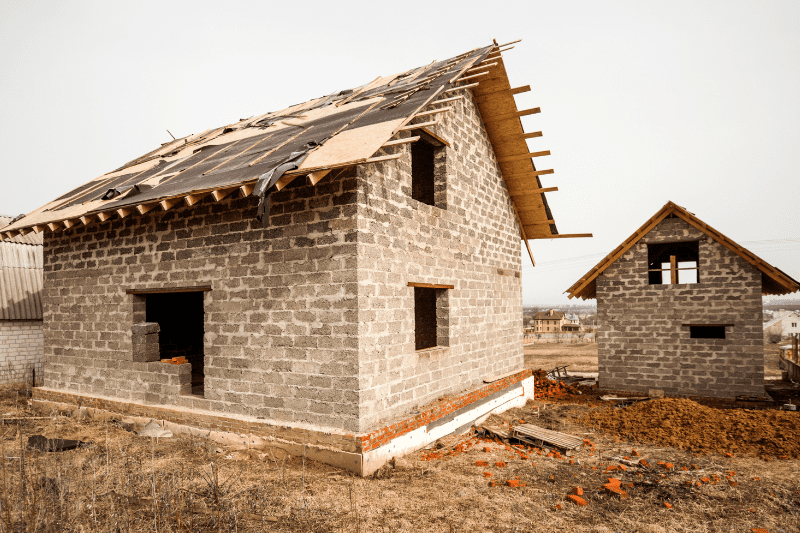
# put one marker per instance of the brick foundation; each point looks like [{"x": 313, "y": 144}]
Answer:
[{"x": 331, "y": 439}]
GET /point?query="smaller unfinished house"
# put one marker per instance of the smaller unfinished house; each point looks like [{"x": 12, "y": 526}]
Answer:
[
  {"x": 679, "y": 309},
  {"x": 342, "y": 276}
]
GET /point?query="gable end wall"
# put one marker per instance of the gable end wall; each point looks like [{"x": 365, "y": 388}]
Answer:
[{"x": 642, "y": 344}]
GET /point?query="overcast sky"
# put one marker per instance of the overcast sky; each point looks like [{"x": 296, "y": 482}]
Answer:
[{"x": 642, "y": 102}]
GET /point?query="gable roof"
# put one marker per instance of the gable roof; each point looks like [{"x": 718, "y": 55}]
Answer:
[
  {"x": 21, "y": 275},
  {"x": 773, "y": 280},
  {"x": 792, "y": 316},
  {"x": 545, "y": 315},
  {"x": 351, "y": 127}
]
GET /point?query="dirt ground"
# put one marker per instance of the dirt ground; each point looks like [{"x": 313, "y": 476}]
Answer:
[
  {"x": 120, "y": 482},
  {"x": 582, "y": 357}
]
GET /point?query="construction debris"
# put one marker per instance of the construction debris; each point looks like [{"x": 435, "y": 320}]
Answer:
[
  {"x": 540, "y": 436},
  {"x": 42, "y": 443},
  {"x": 154, "y": 430}
]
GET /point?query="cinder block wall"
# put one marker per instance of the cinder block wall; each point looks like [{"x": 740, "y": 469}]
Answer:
[
  {"x": 281, "y": 319},
  {"x": 21, "y": 345},
  {"x": 641, "y": 342},
  {"x": 472, "y": 242}
]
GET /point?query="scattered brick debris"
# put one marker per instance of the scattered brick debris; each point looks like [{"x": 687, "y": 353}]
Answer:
[
  {"x": 668, "y": 505},
  {"x": 577, "y": 491},
  {"x": 644, "y": 463},
  {"x": 487, "y": 449},
  {"x": 487, "y": 474},
  {"x": 557, "y": 506},
  {"x": 481, "y": 463},
  {"x": 500, "y": 464},
  {"x": 577, "y": 500},
  {"x": 514, "y": 483}
]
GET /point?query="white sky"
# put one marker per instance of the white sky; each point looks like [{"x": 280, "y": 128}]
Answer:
[{"x": 642, "y": 102}]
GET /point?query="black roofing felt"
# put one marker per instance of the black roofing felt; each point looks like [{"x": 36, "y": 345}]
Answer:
[{"x": 398, "y": 103}]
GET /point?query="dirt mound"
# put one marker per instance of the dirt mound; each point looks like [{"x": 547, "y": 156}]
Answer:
[{"x": 691, "y": 426}]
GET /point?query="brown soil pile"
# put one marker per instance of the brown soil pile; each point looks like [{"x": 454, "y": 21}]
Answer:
[{"x": 691, "y": 426}]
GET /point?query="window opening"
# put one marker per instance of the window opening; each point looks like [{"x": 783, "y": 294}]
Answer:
[
  {"x": 430, "y": 318},
  {"x": 180, "y": 316},
  {"x": 673, "y": 263},
  {"x": 423, "y": 172},
  {"x": 707, "y": 332}
]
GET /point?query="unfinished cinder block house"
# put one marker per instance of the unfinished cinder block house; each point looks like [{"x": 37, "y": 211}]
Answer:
[
  {"x": 679, "y": 309},
  {"x": 343, "y": 274}
]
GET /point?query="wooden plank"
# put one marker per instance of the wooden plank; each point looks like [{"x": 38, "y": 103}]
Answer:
[
  {"x": 454, "y": 89},
  {"x": 501, "y": 92},
  {"x": 401, "y": 141},
  {"x": 512, "y": 42},
  {"x": 432, "y": 138},
  {"x": 124, "y": 211},
  {"x": 419, "y": 125},
  {"x": 532, "y": 135},
  {"x": 451, "y": 99},
  {"x": 567, "y": 236},
  {"x": 523, "y": 234},
  {"x": 531, "y": 174},
  {"x": 144, "y": 208},
  {"x": 383, "y": 158},
  {"x": 430, "y": 285},
  {"x": 219, "y": 194},
  {"x": 314, "y": 177},
  {"x": 247, "y": 189},
  {"x": 522, "y": 157},
  {"x": 471, "y": 77},
  {"x": 52, "y": 225},
  {"x": 433, "y": 112},
  {"x": 513, "y": 115},
  {"x": 69, "y": 223},
  {"x": 481, "y": 66},
  {"x": 85, "y": 220},
  {"x": 192, "y": 199},
  {"x": 534, "y": 191},
  {"x": 673, "y": 270},
  {"x": 161, "y": 290},
  {"x": 169, "y": 203},
  {"x": 104, "y": 215},
  {"x": 38, "y": 228}
]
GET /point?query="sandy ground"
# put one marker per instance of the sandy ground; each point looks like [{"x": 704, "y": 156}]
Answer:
[
  {"x": 120, "y": 482},
  {"x": 583, "y": 357}
]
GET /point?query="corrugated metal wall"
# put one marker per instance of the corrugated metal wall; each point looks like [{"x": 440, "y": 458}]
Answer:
[{"x": 20, "y": 281}]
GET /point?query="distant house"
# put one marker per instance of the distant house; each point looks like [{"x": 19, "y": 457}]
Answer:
[
  {"x": 679, "y": 309},
  {"x": 21, "y": 340},
  {"x": 548, "y": 321},
  {"x": 783, "y": 326}
]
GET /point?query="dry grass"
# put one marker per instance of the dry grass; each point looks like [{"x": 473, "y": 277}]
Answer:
[{"x": 120, "y": 482}]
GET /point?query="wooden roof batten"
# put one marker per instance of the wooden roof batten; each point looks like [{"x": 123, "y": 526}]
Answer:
[{"x": 774, "y": 281}]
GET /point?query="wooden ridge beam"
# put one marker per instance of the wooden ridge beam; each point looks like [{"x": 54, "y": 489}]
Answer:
[
  {"x": 522, "y": 157},
  {"x": 515, "y": 114}
]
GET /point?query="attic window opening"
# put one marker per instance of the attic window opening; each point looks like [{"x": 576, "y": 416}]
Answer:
[
  {"x": 431, "y": 318},
  {"x": 428, "y": 174},
  {"x": 673, "y": 263},
  {"x": 707, "y": 332}
]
